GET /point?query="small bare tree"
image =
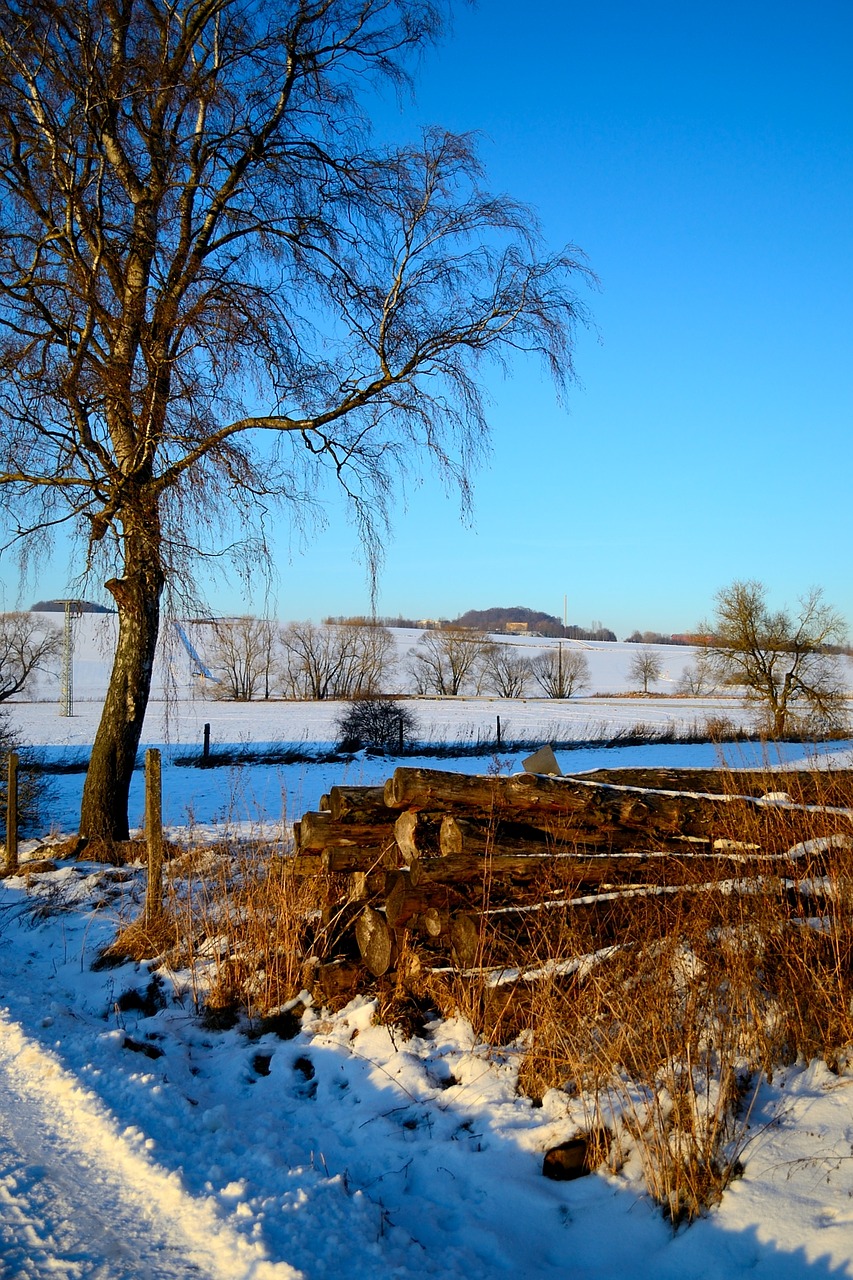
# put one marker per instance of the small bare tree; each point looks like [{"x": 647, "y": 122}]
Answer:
[
  {"x": 243, "y": 655},
  {"x": 504, "y": 672},
  {"x": 645, "y": 668},
  {"x": 27, "y": 645},
  {"x": 561, "y": 672},
  {"x": 782, "y": 660},
  {"x": 699, "y": 678},
  {"x": 448, "y": 661}
]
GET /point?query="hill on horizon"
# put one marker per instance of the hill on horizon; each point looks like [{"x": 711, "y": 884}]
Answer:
[{"x": 538, "y": 622}]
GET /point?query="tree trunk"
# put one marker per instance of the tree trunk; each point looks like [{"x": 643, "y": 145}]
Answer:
[{"x": 137, "y": 595}]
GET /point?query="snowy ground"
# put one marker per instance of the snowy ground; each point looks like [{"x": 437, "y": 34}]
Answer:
[
  {"x": 345, "y": 1149},
  {"x": 135, "y": 1142}
]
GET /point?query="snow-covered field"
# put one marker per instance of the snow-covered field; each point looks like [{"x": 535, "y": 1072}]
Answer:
[{"x": 135, "y": 1142}]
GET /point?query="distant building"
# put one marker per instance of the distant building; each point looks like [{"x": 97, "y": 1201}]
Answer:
[{"x": 517, "y": 628}]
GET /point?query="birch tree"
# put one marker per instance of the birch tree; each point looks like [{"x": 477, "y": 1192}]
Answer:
[{"x": 214, "y": 285}]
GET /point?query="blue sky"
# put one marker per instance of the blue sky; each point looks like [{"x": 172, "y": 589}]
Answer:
[{"x": 702, "y": 157}]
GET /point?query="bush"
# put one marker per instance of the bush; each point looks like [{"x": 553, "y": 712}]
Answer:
[{"x": 378, "y": 723}]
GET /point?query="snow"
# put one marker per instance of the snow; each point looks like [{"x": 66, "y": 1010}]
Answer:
[
  {"x": 135, "y": 1141},
  {"x": 348, "y": 1147}
]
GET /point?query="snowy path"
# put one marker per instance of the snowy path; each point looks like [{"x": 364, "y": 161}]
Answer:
[{"x": 78, "y": 1198}]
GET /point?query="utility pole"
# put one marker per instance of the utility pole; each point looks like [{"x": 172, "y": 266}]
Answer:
[{"x": 66, "y": 692}]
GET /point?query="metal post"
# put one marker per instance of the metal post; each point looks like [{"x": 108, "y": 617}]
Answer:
[
  {"x": 66, "y": 693},
  {"x": 205, "y": 751},
  {"x": 499, "y": 733}
]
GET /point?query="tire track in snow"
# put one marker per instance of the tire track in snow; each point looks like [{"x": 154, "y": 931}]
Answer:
[{"x": 82, "y": 1199}]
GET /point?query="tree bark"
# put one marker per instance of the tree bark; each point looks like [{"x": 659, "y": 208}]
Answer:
[{"x": 137, "y": 595}]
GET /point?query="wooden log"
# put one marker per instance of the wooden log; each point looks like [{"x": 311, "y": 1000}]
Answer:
[
  {"x": 319, "y": 831},
  {"x": 364, "y": 885},
  {"x": 591, "y": 810},
  {"x": 463, "y": 868},
  {"x": 374, "y": 941},
  {"x": 357, "y": 857},
  {"x": 459, "y": 835},
  {"x": 402, "y": 901},
  {"x": 417, "y": 835},
  {"x": 439, "y": 790},
  {"x": 303, "y": 864},
  {"x": 358, "y": 804},
  {"x": 464, "y": 940},
  {"x": 323, "y": 806},
  {"x": 338, "y": 980},
  {"x": 805, "y": 786}
]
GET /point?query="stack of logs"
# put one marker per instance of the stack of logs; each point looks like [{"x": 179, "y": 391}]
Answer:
[{"x": 432, "y": 854}]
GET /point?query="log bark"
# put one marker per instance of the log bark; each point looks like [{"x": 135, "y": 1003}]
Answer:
[
  {"x": 357, "y": 857},
  {"x": 319, "y": 831},
  {"x": 358, "y": 804}
]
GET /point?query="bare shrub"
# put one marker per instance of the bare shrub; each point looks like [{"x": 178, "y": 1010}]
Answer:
[{"x": 380, "y": 723}]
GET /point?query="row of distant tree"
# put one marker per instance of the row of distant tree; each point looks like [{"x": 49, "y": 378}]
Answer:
[{"x": 357, "y": 658}]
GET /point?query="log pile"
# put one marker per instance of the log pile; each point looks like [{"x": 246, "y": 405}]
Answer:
[{"x": 434, "y": 856}]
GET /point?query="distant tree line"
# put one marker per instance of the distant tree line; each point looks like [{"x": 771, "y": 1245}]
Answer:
[
  {"x": 357, "y": 659},
  {"x": 657, "y": 637}
]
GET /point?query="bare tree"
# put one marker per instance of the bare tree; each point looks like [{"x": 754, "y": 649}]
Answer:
[
  {"x": 448, "y": 661},
  {"x": 243, "y": 654},
  {"x": 561, "y": 672},
  {"x": 348, "y": 660},
  {"x": 27, "y": 645},
  {"x": 700, "y": 677},
  {"x": 781, "y": 659},
  {"x": 504, "y": 672},
  {"x": 369, "y": 661},
  {"x": 212, "y": 284},
  {"x": 645, "y": 668}
]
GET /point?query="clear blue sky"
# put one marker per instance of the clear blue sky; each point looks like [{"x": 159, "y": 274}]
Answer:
[{"x": 702, "y": 157}]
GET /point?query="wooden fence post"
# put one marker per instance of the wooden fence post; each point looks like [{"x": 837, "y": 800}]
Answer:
[
  {"x": 153, "y": 835},
  {"x": 205, "y": 751},
  {"x": 12, "y": 815}
]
